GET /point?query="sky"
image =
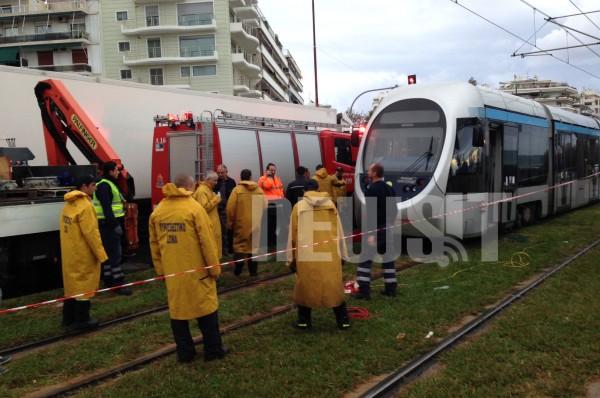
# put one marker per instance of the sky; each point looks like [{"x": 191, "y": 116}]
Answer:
[{"x": 369, "y": 44}]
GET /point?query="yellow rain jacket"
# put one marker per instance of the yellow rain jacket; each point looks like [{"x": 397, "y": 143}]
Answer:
[
  {"x": 338, "y": 187},
  {"x": 244, "y": 216},
  {"x": 80, "y": 245},
  {"x": 181, "y": 239},
  {"x": 319, "y": 282},
  {"x": 209, "y": 200},
  {"x": 324, "y": 180}
]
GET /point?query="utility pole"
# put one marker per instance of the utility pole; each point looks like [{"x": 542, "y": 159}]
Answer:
[{"x": 315, "y": 55}]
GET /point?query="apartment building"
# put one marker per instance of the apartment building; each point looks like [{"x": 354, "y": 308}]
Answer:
[
  {"x": 222, "y": 46},
  {"x": 56, "y": 35},
  {"x": 589, "y": 102},
  {"x": 547, "y": 92}
]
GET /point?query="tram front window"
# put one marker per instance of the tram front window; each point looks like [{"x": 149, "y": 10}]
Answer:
[{"x": 407, "y": 137}]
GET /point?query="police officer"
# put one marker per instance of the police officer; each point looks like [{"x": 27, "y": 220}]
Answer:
[
  {"x": 82, "y": 253},
  {"x": 383, "y": 238},
  {"x": 181, "y": 239},
  {"x": 108, "y": 203}
]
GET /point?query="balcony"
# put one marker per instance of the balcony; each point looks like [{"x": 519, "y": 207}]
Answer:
[
  {"x": 240, "y": 34},
  {"x": 45, "y": 38},
  {"x": 204, "y": 26},
  {"x": 247, "y": 12},
  {"x": 276, "y": 88},
  {"x": 293, "y": 93},
  {"x": 15, "y": 10},
  {"x": 246, "y": 64},
  {"x": 274, "y": 65},
  {"x": 156, "y": 56},
  {"x": 65, "y": 68},
  {"x": 295, "y": 81},
  {"x": 237, "y": 3}
]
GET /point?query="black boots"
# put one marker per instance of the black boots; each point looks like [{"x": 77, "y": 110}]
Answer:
[
  {"x": 304, "y": 318},
  {"x": 341, "y": 316},
  {"x": 76, "y": 315},
  {"x": 389, "y": 290}
]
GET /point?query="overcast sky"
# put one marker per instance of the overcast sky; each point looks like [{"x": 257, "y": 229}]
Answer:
[{"x": 377, "y": 43}]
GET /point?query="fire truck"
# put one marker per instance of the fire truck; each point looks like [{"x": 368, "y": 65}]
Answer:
[{"x": 193, "y": 146}]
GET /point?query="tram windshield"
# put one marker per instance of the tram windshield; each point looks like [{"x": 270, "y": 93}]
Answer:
[{"x": 407, "y": 137}]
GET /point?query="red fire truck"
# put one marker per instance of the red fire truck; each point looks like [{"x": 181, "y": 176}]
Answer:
[{"x": 193, "y": 146}]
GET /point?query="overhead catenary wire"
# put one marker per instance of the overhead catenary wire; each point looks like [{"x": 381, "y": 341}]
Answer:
[
  {"x": 522, "y": 39},
  {"x": 584, "y": 14},
  {"x": 550, "y": 19}
]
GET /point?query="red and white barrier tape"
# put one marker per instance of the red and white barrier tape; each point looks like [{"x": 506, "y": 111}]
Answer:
[{"x": 193, "y": 270}]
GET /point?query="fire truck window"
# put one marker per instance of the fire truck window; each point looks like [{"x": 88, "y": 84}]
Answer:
[
  {"x": 343, "y": 151},
  {"x": 309, "y": 150},
  {"x": 239, "y": 150},
  {"x": 276, "y": 147}
]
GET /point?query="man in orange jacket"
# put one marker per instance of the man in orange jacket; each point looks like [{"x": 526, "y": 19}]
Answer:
[{"x": 272, "y": 188}]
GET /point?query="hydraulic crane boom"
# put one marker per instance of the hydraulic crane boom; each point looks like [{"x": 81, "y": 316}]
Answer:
[{"x": 64, "y": 119}]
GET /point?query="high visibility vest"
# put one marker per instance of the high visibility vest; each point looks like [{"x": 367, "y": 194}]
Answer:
[{"x": 117, "y": 201}]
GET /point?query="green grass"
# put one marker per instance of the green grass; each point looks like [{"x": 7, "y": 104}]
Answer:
[
  {"x": 546, "y": 345},
  {"x": 273, "y": 360},
  {"x": 29, "y": 325}
]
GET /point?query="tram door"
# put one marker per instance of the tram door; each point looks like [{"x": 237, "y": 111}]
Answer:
[
  {"x": 504, "y": 146},
  {"x": 564, "y": 155}
]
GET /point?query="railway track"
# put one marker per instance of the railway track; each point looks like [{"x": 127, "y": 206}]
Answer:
[
  {"x": 101, "y": 376},
  {"x": 23, "y": 348},
  {"x": 402, "y": 376}
]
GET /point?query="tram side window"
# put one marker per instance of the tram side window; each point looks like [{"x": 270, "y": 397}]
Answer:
[
  {"x": 532, "y": 156},
  {"x": 466, "y": 167},
  {"x": 566, "y": 165},
  {"x": 343, "y": 151}
]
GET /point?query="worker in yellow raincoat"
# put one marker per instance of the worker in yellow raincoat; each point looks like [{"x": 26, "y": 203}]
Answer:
[
  {"x": 208, "y": 199},
  {"x": 338, "y": 184},
  {"x": 324, "y": 180},
  {"x": 182, "y": 238},
  {"x": 82, "y": 253},
  {"x": 319, "y": 282},
  {"x": 244, "y": 216}
]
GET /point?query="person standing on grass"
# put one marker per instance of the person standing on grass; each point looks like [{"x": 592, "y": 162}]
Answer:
[
  {"x": 244, "y": 216},
  {"x": 209, "y": 200},
  {"x": 181, "y": 239},
  {"x": 110, "y": 210},
  {"x": 324, "y": 180},
  {"x": 82, "y": 253},
  {"x": 383, "y": 238},
  {"x": 318, "y": 268},
  {"x": 225, "y": 185}
]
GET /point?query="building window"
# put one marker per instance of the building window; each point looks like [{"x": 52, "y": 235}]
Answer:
[
  {"x": 152, "y": 16},
  {"x": 198, "y": 70},
  {"x": 196, "y": 46},
  {"x": 154, "y": 48},
  {"x": 124, "y": 46},
  {"x": 42, "y": 29},
  {"x": 9, "y": 32},
  {"x": 190, "y": 14},
  {"x": 125, "y": 74},
  {"x": 122, "y": 16},
  {"x": 156, "y": 77},
  {"x": 204, "y": 70},
  {"x": 77, "y": 30}
]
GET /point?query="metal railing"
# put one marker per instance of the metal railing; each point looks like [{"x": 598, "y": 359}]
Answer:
[
  {"x": 66, "y": 6},
  {"x": 196, "y": 52},
  {"x": 65, "y": 68},
  {"x": 154, "y": 52},
  {"x": 152, "y": 20},
  {"x": 195, "y": 19},
  {"x": 45, "y": 37}
]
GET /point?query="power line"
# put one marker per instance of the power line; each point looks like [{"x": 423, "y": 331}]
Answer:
[
  {"x": 549, "y": 18},
  {"x": 584, "y": 14},
  {"x": 522, "y": 39}
]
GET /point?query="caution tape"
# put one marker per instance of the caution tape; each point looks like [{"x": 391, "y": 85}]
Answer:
[{"x": 227, "y": 263}]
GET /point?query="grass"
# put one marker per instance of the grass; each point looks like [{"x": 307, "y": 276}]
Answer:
[
  {"x": 272, "y": 359},
  {"x": 547, "y": 345},
  {"x": 29, "y": 325}
]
